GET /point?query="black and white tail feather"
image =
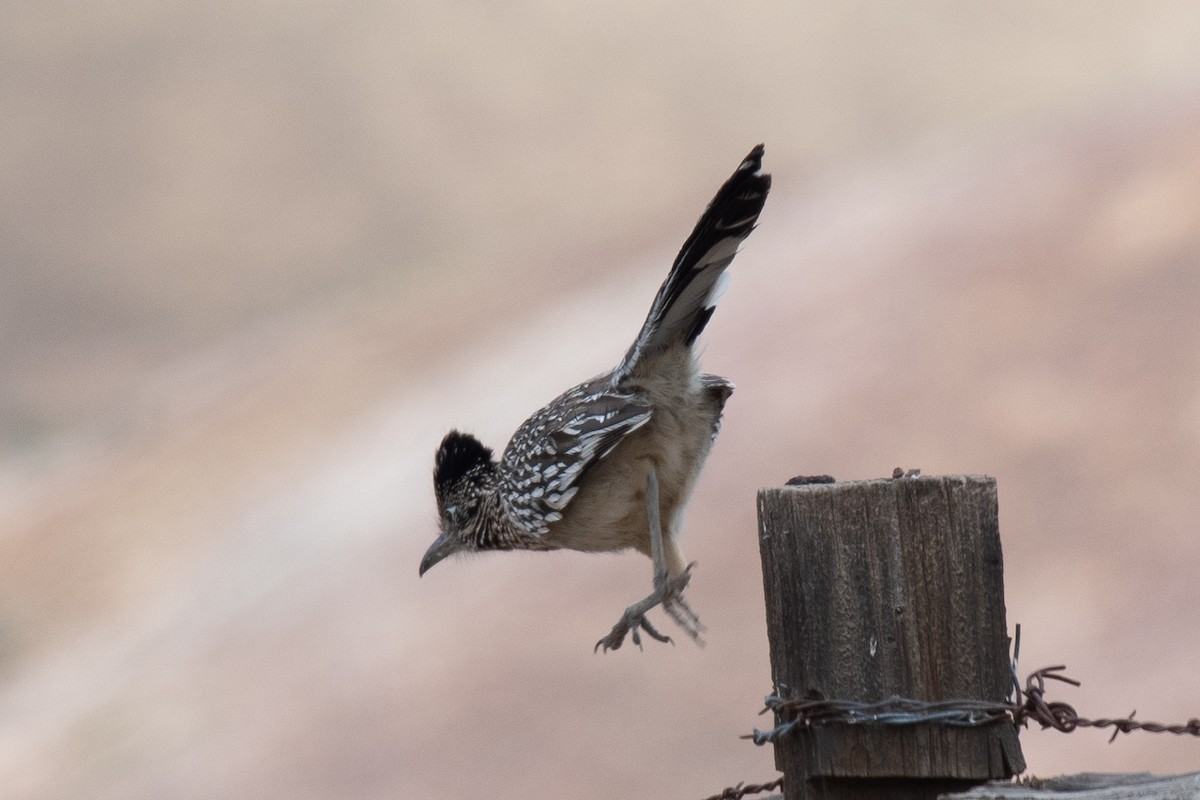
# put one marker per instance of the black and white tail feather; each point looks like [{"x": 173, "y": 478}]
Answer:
[{"x": 689, "y": 295}]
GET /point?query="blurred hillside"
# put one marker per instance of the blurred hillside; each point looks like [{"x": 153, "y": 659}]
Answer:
[{"x": 258, "y": 260}]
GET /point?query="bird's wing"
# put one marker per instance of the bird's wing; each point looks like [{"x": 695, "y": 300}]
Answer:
[{"x": 544, "y": 463}]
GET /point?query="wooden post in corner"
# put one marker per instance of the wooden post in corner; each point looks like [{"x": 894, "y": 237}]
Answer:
[{"x": 882, "y": 588}]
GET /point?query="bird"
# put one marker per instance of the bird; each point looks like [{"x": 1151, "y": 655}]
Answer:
[{"x": 610, "y": 464}]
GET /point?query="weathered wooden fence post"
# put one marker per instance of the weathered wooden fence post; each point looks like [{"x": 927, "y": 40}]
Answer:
[{"x": 882, "y": 588}]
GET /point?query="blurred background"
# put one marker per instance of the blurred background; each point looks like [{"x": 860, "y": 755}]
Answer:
[{"x": 258, "y": 258}]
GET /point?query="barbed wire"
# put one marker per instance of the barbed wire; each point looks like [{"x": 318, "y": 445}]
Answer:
[
  {"x": 1062, "y": 716},
  {"x": 813, "y": 711},
  {"x": 1024, "y": 703},
  {"x": 743, "y": 789}
]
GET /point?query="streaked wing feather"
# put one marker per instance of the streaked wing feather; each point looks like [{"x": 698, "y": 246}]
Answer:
[{"x": 549, "y": 454}]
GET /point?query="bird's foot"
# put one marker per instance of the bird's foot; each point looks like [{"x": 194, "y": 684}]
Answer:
[
  {"x": 668, "y": 593},
  {"x": 631, "y": 622}
]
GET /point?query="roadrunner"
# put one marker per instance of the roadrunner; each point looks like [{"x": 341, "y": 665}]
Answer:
[{"x": 610, "y": 464}]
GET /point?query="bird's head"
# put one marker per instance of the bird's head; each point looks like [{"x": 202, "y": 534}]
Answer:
[{"x": 462, "y": 473}]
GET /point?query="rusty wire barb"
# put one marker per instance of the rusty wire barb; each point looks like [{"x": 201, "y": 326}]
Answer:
[
  {"x": 1062, "y": 716},
  {"x": 813, "y": 711},
  {"x": 743, "y": 789}
]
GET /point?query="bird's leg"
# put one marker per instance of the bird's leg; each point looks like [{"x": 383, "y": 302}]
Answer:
[{"x": 668, "y": 591}]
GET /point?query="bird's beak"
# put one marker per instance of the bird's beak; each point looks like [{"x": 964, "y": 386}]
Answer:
[{"x": 442, "y": 546}]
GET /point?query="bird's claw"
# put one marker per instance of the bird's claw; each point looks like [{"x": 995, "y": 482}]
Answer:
[
  {"x": 668, "y": 593},
  {"x": 630, "y": 623},
  {"x": 677, "y": 607}
]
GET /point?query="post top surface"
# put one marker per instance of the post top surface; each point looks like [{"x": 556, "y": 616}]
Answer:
[{"x": 828, "y": 486}]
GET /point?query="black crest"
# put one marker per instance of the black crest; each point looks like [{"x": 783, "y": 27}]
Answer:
[{"x": 458, "y": 454}]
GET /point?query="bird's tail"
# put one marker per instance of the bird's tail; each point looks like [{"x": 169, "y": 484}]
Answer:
[{"x": 689, "y": 295}]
